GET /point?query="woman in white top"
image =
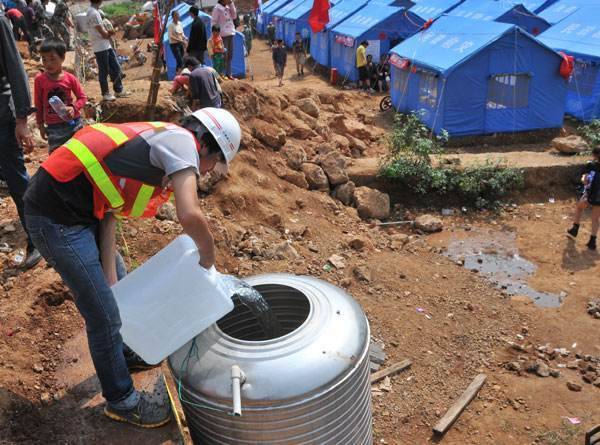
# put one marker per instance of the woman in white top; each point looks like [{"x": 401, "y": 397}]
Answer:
[{"x": 177, "y": 40}]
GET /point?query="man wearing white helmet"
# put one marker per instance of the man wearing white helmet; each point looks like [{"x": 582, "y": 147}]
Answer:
[{"x": 122, "y": 170}]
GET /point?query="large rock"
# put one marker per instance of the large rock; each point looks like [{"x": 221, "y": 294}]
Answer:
[
  {"x": 371, "y": 203},
  {"x": 342, "y": 125},
  {"x": 428, "y": 223},
  {"x": 268, "y": 134},
  {"x": 315, "y": 176},
  {"x": 167, "y": 212},
  {"x": 357, "y": 146},
  {"x": 570, "y": 144},
  {"x": 344, "y": 192},
  {"x": 294, "y": 156},
  {"x": 334, "y": 166},
  {"x": 309, "y": 106},
  {"x": 283, "y": 172},
  {"x": 293, "y": 112}
]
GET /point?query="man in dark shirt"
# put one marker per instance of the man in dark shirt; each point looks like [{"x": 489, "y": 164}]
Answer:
[
  {"x": 15, "y": 106},
  {"x": 197, "y": 40},
  {"x": 205, "y": 90}
]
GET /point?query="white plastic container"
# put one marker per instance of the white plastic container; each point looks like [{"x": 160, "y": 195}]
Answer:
[{"x": 169, "y": 300}]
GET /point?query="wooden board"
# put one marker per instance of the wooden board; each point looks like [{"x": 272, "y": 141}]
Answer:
[
  {"x": 396, "y": 367},
  {"x": 459, "y": 406},
  {"x": 178, "y": 413}
]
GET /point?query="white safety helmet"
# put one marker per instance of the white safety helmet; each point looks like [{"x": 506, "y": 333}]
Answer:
[{"x": 223, "y": 127}]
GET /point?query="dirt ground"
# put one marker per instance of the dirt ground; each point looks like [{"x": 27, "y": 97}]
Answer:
[{"x": 451, "y": 322}]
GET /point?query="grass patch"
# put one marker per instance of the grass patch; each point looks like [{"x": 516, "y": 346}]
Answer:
[
  {"x": 120, "y": 9},
  {"x": 567, "y": 435},
  {"x": 409, "y": 164}
]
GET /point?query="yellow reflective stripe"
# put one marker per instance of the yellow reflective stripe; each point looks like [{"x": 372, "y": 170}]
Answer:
[
  {"x": 115, "y": 134},
  {"x": 96, "y": 172},
  {"x": 158, "y": 124},
  {"x": 141, "y": 200}
]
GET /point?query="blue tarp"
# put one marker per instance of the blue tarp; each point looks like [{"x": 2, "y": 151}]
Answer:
[
  {"x": 319, "y": 41},
  {"x": 578, "y": 35},
  {"x": 268, "y": 10},
  {"x": 478, "y": 77},
  {"x": 561, "y": 10},
  {"x": 383, "y": 26},
  {"x": 238, "y": 66},
  {"x": 501, "y": 11},
  {"x": 535, "y": 6},
  {"x": 296, "y": 20}
]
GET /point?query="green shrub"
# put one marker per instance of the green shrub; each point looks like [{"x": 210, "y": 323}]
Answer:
[
  {"x": 591, "y": 132},
  {"x": 409, "y": 164},
  {"x": 120, "y": 9}
]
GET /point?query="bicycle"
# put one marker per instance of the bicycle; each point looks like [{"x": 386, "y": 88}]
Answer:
[{"x": 386, "y": 103}]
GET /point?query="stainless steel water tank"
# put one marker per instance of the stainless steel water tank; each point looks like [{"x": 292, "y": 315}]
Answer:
[{"x": 309, "y": 386}]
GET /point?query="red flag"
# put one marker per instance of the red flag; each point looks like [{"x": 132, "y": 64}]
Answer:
[{"x": 319, "y": 15}]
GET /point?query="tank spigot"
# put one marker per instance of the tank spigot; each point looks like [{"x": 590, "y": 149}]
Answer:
[{"x": 237, "y": 380}]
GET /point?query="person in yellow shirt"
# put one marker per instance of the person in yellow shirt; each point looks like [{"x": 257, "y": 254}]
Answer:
[{"x": 361, "y": 64}]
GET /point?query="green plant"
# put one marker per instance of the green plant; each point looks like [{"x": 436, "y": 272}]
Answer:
[
  {"x": 410, "y": 164},
  {"x": 567, "y": 435},
  {"x": 119, "y": 9},
  {"x": 591, "y": 132}
]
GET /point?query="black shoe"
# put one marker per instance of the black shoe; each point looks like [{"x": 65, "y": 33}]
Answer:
[
  {"x": 591, "y": 243},
  {"x": 145, "y": 414},
  {"x": 135, "y": 363},
  {"x": 32, "y": 258},
  {"x": 573, "y": 231}
]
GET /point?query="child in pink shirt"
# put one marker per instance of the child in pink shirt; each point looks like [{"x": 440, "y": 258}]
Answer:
[{"x": 56, "y": 82}]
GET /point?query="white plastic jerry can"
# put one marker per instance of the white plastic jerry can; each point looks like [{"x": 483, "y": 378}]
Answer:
[{"x": 169, "y": 300}]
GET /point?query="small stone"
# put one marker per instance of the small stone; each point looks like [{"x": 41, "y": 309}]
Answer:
[
  {"x": 309, "y": 106},
  {"x": 513, "y": 366},
  {"x": 294, "y": 156},
  {"x": 285, "y": 251},
  {"x": 357, "y": 243},
  {"x": 315, "y": 176},
  {"x": 8, "y": 228},
  {"x": 38, "y": 368},
  {"x": 337, "y": 261},
  {"x": 573, "y": 386},
  {"x": 344, "y": 192},
  {"x": 597, "y": 383},
  {"x": 167, "y": 212},
  {"x": 589, "y": 377},
  {"x": 543, "y": 370},
  {"x": 46, "y": 398},
  {"x": 371, "y": 203},
  {"x": 428, "y": 223},
  {"x": 346, "y": 283},
  {"x": 573, "y": 364},
  {"x": 362, "y": 273},
  {"x": 554, "y": 373}
]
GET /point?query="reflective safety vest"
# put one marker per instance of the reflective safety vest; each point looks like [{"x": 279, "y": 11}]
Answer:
[{"x": 85, "y": 153}]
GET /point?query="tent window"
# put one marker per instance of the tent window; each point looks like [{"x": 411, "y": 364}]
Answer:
[
  {"x": 584, "y": 78},
  {"x": 508, "y": 91},
  {"x": 428, "y": 89},
  {"x": 400, "y": 81}
]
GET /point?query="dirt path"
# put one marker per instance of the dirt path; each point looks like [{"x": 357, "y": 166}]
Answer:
[{"x": 451, "y": 322}]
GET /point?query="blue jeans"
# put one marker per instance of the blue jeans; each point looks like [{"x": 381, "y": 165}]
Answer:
[
  {"x": 178, "y": 51},
  {"x": 109, "y": 65},
  {"x": 73, "y": 252},
  {"x": 12, "y": 166},
  {"x": 58, "y": 134}
]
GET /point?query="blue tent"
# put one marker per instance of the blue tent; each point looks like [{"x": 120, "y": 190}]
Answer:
[
  {"x": 381, "y": 25},
  {"x": 535, "y": 6},
  {"x": 296, "y": 20},
  {"x": 501, "y": 11},
  {"x": 280, "y": 14},
  {"x": 432, "y": 9},
  {"x": 561, "y": 10},
  {"x": 476, "y": 77},
  {"x": 579, "y": 36},
  {"x": 238, "y": 66},
  {"x": 268, "y": 10},
  {"x": 319, "y": 41}
]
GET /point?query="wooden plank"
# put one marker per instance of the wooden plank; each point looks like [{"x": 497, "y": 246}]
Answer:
[
  {"x": 396, "y": 367},
  {"x": 184, "y": 431},
  {"x": 459, "y": 406},
  {"x": 376, "y": 354}
]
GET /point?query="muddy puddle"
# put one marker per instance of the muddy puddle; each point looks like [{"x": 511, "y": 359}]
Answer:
[{"x": 495, "y": 256}]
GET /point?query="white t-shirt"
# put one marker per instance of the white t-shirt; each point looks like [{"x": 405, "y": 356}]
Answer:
[
  {"x": 176, "y": 32},
  {"x": 99, "y": 43}
]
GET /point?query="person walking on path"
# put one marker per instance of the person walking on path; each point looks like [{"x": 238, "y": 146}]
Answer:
[
  {"x": 223, "y": 15},
  {"x": 54, "y": 82},
  {"x": 361, "y": 64},
  {"x": 15, "y": 106},
  {"x": 197, "y": 41},
  {"x": 299, "y": 54},
  {"x": 104, "y": 172},
  {"x": 177, "y": 39},
  {"x": 106, "y": 58},
  {"x": 279, "y": 60},
  {"x": 248, "y": 37},
  {"x": 590, "y": 198}
]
